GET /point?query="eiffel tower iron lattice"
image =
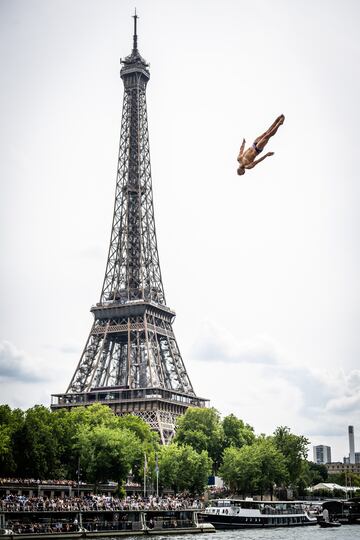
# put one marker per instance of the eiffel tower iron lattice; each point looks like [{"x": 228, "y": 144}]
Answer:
[{"x": 131, "y": 360}]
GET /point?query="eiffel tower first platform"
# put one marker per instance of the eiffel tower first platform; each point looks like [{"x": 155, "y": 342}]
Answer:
[{"x": 131, "y": 361}]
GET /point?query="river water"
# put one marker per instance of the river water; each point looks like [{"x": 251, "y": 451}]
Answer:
[{"x": 345, "y": 532}]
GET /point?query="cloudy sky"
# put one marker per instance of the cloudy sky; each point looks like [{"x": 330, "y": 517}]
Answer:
[{"x": 262, "y": 269}]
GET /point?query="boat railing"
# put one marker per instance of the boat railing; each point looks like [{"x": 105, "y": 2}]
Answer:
[
  {"x": 169, "y": 523},
  {"x": 92, "y": 526}
]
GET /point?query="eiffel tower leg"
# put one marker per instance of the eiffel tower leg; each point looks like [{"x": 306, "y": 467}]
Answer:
[{"x": 82, "y": 375}]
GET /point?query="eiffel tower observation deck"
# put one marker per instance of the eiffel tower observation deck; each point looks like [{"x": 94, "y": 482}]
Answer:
[{"x": 131, "y": 361}]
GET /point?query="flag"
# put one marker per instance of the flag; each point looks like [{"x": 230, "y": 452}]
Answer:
[{"x": 156, "y": 464}]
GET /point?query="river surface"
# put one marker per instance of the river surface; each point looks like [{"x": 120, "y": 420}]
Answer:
[{"x": 345, "y": 532}]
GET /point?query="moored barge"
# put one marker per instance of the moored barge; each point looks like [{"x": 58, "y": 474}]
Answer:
[{"x": 92, "y": 524}]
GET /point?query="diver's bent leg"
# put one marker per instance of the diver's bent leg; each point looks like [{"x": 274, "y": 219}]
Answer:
[
  {"x": 263, "y": 139},
  {"x": 262, "y": 142},
  {"x": 279, "y": 120},
  {"x": 271, "y": 132},
  {"x": 258, "y": 139},
  {"x": 272, "y": 129}
]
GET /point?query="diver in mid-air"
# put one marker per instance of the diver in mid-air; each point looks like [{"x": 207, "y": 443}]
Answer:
[{"x": 247, "y": 159}]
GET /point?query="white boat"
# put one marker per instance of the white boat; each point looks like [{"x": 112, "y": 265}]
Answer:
[{"x": 238, "y": 514}]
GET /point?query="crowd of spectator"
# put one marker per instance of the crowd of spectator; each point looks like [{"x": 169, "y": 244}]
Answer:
[
  {"x": 37, "y": 482},
  {"x": 95, "y": 503},
  {"x": 28, "y": 482}
]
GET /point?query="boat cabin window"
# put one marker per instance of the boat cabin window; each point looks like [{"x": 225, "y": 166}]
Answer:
[
  {"x": 263, "y": 506},
  {"x": 223, "y": 503}
]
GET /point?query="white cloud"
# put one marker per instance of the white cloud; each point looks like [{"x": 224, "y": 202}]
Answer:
[
  {"x": 348, "y": 399},
  {"x": 219, "y": 345},
  {"x": 27, "y": 380},
  {"x": 66, "y": 348},
  {"x": 16, "y": 366},
  {"x": 259, "y": 381}
]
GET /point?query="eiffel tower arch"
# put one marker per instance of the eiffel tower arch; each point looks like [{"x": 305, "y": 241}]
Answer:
[{"x": 131, "y": 360}]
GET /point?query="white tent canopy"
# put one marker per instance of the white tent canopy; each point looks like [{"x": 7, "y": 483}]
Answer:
[{"x": 331, "y": 487}]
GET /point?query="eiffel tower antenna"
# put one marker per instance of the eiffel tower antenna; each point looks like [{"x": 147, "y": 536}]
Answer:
[
  {"x": 135, "y": 17},
  {"x": 131, "y": 360}
]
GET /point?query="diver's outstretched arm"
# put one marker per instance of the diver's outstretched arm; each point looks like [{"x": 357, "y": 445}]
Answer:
[
  {"x": 241, "y": 150},
  {"x": 254, "y": 163}
]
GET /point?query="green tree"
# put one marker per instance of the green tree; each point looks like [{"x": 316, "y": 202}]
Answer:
[
  {"x": 107, "y": 454},
  {"x": 66, "y": 425},
  {"x": 317, "y": 473},
  {"x": 236, "y": 432},
  {"x": 7, "y": 464},
  {"x": 229, "y": 468},
  {"x": 139, "y": 427},
  {"x": 202, "y": 430},
  {"x": 39, "y": 457},
  {"x": 182, "y": 468},
  {"x": 345, "y": 479},
  {"x": 271, "y": 465},
  {"x": 11, "y": 422},
  {"x": 294, "y": 449},
  {"x": 254, "y": 468},
  {"x": 240, "y": 469},
  {"x": 81, "y": 420},
  {"x": 337, "y": 478},
  {"x": 150, "y": 442},
  {"x": 352, "y": 479},
  {"x": 93, "y": 416}
]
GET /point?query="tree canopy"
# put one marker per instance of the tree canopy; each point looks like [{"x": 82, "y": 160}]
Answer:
[
  {"x": 202, "y": 430},
  {"x": 254, "y": 468},
  {"x": 107, "y": 454},
  {"x": 183, "y": 468},
  {"x": 38, "y": 443},
  {"x": 294, "y": 449},
  {"x": 236, "y": 432}
]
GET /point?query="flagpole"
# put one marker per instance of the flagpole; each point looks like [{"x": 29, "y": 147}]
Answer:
[
  {"x": 145, "y": 465},
  {"x": 157, "y": 475}
]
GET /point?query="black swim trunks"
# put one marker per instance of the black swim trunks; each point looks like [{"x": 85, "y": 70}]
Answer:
[{"x": 257, "y": 150}]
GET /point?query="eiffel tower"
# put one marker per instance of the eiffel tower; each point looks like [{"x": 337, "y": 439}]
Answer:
[{"x": 131, "y": 360}]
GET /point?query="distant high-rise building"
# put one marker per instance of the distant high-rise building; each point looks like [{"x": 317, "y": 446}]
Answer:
[
  {"x": 322, "y": 454},
  {"x": 357, "y": 458},
  {"x": 351, "y": 444}
]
